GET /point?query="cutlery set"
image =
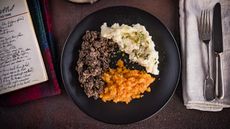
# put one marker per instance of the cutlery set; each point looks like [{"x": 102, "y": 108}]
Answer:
[{"x": 213, "y": 88}]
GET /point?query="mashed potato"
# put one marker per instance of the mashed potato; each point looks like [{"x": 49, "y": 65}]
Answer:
[{"x": 135, "y": 41}]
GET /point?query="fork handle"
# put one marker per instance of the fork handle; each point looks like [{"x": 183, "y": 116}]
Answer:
[
  {"x": 209, "y": 87},
  {"x": 219, "y": 85}
]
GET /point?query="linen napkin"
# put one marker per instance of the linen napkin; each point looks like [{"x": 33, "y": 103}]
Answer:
[
  {"x": 194, "y": 55},
  {"x": 50, "y": 87}
]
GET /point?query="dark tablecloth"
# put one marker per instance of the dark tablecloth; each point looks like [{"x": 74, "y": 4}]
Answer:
[{"x": 59, "y": 112}]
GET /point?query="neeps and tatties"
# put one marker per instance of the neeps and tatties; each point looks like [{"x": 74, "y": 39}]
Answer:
[{"x": 135, "y": 41}]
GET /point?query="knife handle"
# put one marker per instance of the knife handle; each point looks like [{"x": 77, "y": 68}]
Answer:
[{"x": 219, "y": 84}]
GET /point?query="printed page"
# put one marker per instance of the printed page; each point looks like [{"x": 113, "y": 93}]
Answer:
[{"x": 21, "y": 63}]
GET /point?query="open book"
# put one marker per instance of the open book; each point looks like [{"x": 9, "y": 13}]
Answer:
[{"x": 21, "y": 63}]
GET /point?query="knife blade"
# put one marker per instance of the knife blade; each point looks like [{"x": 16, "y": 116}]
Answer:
[
  {"x": 218, "y": 48},
  {"x": 217, "y": 29}
]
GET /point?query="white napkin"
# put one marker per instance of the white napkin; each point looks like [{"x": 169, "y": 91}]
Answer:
[{"x": 194, "y": 55}]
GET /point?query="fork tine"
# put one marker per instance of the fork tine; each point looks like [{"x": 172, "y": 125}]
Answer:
[
  {"x": 201, "y": 23},
  {"x": 209, "y": 23},
  {"x": 206, "y": 22},
  {"x": 204, "y": 25}
]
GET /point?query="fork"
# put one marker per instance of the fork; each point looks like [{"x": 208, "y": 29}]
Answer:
[{"x": 205, "y": 35}]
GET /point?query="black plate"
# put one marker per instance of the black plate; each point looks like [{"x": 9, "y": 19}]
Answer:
[{"x": 138, "y": 109}]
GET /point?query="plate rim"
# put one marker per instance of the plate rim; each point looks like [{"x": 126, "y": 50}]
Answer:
[{"x": 174, "y": 43}]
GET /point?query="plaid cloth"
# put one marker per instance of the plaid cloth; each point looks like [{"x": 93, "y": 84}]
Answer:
[{"x": 44, "y": 36}]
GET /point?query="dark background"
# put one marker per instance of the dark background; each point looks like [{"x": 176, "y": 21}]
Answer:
[{"x": 59, "y": 112}]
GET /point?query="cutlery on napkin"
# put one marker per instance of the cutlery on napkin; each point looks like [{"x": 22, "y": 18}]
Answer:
[{"x": 194, "y": 55}]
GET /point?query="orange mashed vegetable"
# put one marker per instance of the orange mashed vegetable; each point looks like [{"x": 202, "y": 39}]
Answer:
[{"x": 123, "y": 85}]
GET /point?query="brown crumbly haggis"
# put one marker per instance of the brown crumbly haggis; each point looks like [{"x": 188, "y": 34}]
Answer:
[{"x": 94, "y": 58}]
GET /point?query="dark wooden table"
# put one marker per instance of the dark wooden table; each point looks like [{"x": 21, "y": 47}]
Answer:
[{"x": 59, "y": 112}]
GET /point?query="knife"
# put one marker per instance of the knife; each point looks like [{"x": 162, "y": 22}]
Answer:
[{"x": 218, "y": 48}]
